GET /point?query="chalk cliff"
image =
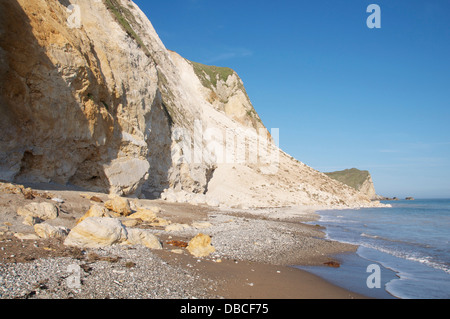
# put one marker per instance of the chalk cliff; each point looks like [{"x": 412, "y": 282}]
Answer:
[
  {"x": 357, "y": 179},
  {"x": 90, "y": 96}
]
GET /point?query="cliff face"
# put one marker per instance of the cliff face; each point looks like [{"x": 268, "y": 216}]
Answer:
[
  {"x": 77, "y": 105},
  {"x": 90, "y": 96},
  {"x": 368, "y": 189},
  {"x": 224, "y": 89},
  {"x": 357, "y": 179}
]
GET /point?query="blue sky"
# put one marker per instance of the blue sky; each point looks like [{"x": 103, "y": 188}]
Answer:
[{"x": 342, "y": 95}]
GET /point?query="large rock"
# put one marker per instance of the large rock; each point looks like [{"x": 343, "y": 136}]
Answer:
[
  {"x": 200, "y": 246},
  {"x": 142, "y": 237},
  {"x": 96, "y": 232},
  {"x": 23, "y": 236},
  {"x": 119, "y": 205},
  {"x": 145, "y": 214},
  {"x": 45, "y": 231},
  {"x": 43, "y": 211},
  {"x": 127, "y": 175},
  {"x": 96, "y": 211},
  {"x": 31, "y": 220}
]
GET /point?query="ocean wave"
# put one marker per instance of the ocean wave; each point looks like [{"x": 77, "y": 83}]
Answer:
[
  {"x": 396, "y": 241},
  {"x": 369, "y": 236},
  {"x": 414, "y": 257},
  {"x": 410, "y": 241},
  {"x": 430, "y": 262}
]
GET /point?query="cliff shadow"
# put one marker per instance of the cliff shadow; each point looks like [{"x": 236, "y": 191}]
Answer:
[
  {"x": 159, "y": 141},
  {"x": 47, "y": 132}
]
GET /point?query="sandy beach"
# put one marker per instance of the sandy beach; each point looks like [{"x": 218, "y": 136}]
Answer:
[{"x": 254, "y": 252}]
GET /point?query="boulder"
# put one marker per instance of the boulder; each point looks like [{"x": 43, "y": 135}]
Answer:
[
  {"x": 119, "y": 205},
  {"x": 45, "y": 231},
  {"x": 129, "y": 222},
  {"x": 97, "y": 232},
  {"x": 160, "y": 222},
  {"x": 23, "y": 236},
  {"x": 127, "y": 174},
  {"x": 142, "y": 237},
  {"x": 200, "y": 246},
  {"x": 43, "y": 211},
  {"x": 95, "y": 211},
  {"x": 146, "y": 215},
  {"x": 31, "y": 220}
]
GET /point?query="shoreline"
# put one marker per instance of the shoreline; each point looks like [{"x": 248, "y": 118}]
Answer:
[
  {"x": 406, "y": 241},
  {"x": 255, "y": 251},
  {"x": 352, "y": 273}
]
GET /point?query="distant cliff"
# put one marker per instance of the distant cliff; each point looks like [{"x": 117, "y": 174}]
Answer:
[{"x": 357, "y": 179}]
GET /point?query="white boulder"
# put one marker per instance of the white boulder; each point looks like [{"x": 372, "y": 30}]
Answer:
[{"x": 97, "y": 232}]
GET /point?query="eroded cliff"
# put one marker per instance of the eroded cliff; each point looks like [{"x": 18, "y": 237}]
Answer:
[{"x": 90, "y": 96}]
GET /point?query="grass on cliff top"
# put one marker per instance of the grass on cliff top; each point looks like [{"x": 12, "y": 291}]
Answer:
[
  {"x": 209, "y": 75},
  {"x": 125, "y": 18},
  {"x": 351, "y": 177}
]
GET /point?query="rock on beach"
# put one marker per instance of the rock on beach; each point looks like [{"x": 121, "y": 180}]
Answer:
[
  {"x": 200, "y": 246},
  {"x": 97, "y": 232},
  {"x": 43, "y": 211}
]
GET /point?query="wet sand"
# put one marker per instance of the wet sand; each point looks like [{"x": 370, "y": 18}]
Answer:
[{"x": 252, "y": 280}]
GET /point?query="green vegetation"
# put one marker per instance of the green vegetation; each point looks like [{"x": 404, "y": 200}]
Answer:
[
  {"x": 126, "y": 19},
  {"x": 252, "y": 113},
  {"x": 351, "y": 177},
  {"x": 209, "y": 75}
]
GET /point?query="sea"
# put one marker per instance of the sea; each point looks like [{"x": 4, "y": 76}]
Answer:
[{"x": 403, "y": 252}]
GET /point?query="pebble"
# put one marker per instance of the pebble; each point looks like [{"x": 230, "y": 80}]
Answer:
[{"x": 150, "y": 278}]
